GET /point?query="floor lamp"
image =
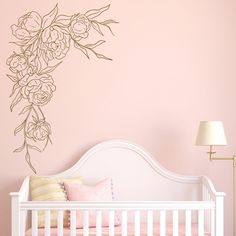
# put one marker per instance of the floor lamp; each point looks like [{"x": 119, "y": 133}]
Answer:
[{"x": 211, "y": 133}]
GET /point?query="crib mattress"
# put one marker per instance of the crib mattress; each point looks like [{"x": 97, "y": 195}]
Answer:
[{"x": 118, "y": 230}]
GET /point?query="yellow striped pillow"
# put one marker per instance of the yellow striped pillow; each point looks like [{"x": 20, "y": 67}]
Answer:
[{"x": 48, "y": 189}]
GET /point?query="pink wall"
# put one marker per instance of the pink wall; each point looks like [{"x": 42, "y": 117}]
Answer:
[{"x": 174, "y": 65}]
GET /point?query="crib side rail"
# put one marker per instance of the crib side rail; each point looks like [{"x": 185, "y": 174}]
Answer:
[
  {"x": 118, "y": 205},
  {"x": 125, "y": 208},
  {"x": 209, "y": 194},
  {"x": 15, "y": 214},
  {"x": 208, "y": 190},
  {"x": 19, "y": 222}
]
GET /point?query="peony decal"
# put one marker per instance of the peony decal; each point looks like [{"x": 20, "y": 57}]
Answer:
[{"x": 43, "y": 42}]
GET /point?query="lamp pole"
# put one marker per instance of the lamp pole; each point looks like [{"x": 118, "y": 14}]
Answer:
[
  {"x": 234, "y": 195},
  {"x": 233, "y": 159}
]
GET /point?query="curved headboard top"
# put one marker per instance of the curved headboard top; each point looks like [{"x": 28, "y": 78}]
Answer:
[{"x": 136, "y": 175}]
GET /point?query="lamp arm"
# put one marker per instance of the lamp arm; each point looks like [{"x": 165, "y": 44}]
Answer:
[
  {"x": 211, "y": 153},
  {"x": 222, "y": 158}
]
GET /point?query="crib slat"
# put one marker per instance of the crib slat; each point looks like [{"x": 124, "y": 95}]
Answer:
[
  {"x": 124, "y": 223},
  {"x": 23, "y": 221},
  {"x": 206, "y": 222},
  {"x": 203, "y": 192},
  {"x": 47, "y": 231},
  {"x": 60, "y": 223},
  {"x": 188, "y": 222},
  {"x": 86, "y": 223},
  {"x": 111, "y": 222},
  {"x": 213, "y": 223},
  {"x": 149, "y": 223},
  {"x": 98, "y": 223},
  {"x": 162, "y": 223},
  {"x": 73, "y": 223},
  {"x": 200, "y": 222},
  {"x": 137, "y": 223},
  {"x": 175, "y": 223},
  {"x": 34, "y": 223}
]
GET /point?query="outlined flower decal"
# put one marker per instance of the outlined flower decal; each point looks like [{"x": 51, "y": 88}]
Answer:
[
  {"x": 38, "y": 89},
  {"x": 43, "y": 41},
  {"x": 38, "y": 130},
  {"x": 79, "y": 27},
  {"x": 28, "y": 26},
  {"x": 55, "y": 43},
  {"x": 17, "y": 63}
]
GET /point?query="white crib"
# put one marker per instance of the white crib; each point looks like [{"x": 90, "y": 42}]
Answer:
[{"x": 150, "y": 200}]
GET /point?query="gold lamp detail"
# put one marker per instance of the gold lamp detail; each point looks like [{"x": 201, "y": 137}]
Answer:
[{"x": 211, "y": 133}]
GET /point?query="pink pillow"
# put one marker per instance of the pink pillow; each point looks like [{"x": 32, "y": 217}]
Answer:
[{"x": 101, "y": 192}]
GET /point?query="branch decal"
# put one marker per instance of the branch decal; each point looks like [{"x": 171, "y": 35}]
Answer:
[{"x": 43, "y": 42}]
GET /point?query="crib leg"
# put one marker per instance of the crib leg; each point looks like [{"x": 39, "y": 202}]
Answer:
[
  {"x": 15, "y": 214},
  {"x": 219, "y": 216}
]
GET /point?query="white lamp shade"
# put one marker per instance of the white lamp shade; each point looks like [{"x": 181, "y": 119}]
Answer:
[{"x": 211, "y": 133}]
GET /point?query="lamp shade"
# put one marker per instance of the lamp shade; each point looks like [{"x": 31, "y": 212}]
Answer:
[{"x": 211, "y": 133}]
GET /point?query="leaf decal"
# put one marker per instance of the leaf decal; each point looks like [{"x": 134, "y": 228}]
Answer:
[
  {"x": 49, "y": 69},
  {"x": 20, "y": 148},
  {"x": 49, "y": 139},
  {"x": 94, "y": 45},
  {"x": 38, "y": 64},
  {"x": 110, "y": 21},
  {"x": 19, "y": 128},
  {"x": 45, "y": 58},
  {"x": 106, "y": 24},
  {"x": 15, "y": 87},
  {"x": 25, "y": 109},
  {"x": 27, "y": 158},
  {"x": 34, "y": 119},
  {"x": 15, "y": 101},
  {"x": 82, "y": 49},
  {"x": 34, "y": 48},
  {"x": 20, "y": 43},
  {"x": 31, "y": 41},
  {"x": 110, "y": 29},
  {"x": 34, "y": 148},
  {"x": 100, "y": 56},
  {"x": 96, "y": 26},
  {"x": 50, "y": 17},
  {"x": 63, "y": 20},
  {"x": 96, "y": 12},
  {"x": 12, "y": 78}
]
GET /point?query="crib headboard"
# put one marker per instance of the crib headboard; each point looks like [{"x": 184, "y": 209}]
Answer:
[{"x": 136, "y": 175}]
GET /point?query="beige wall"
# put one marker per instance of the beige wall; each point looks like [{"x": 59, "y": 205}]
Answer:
[{"x": 173, "y": 65}]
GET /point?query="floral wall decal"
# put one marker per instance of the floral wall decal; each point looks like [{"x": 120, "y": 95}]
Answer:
[{"x": 43, "y": 42}]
